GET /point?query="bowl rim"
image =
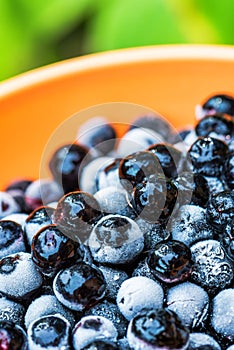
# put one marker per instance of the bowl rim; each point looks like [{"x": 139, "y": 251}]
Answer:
[{"x": 113, "y": 58}]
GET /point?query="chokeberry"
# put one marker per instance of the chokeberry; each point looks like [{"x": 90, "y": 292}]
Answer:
[
  {"x": 217, "y": 126},
  {"x": 11, "y": 238},
  {"x": 52, "y": 250},
  {"x": 80, "y": 286},
  {"x": 65, "y": 165},
  {"x": 75, "y": 214},
  {"x": 220, "y": 103},
  {"x": 207, "y": 156},
  {"x": 170, "y": 261}
]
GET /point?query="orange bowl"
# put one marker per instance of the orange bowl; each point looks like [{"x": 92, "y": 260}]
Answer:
[{"x": 169, "y": 79}]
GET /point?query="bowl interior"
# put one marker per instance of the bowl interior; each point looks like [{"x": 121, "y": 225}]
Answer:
[{"x": 169, "y": 79}]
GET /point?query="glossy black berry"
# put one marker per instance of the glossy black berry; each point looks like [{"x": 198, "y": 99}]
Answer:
[
  {"x": 49, "y": 332},
  {"x": 137, "y": 167},
  {"x": 207, "y": 156},
  {"x": 157, "y": 329},
  {"x": 11, "y": 238},
  {"x": 154, "y": 199},
  {"x": 12, "y": 336},
  {"x": 192, "y": 189},
  {"x": 229, "y": 170},
  {"x": 218, "y": 125},
  {"x": 80, "y": 286},
  {"x": 52, "y": 250},
  {"x": 101, "y": 345},
  {"x": 220, "y": 103},
  {"x": 75, "y": 214},
  {"x": 169, "y": 158},
  {"x": 227, "y": 240},
  {"x": 220, "y": 210},
  {"x": 65, "y": 165},
  {"x": 170, "y": 261}
]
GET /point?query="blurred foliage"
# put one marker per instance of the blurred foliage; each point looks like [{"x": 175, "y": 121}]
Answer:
[{"x": 38, "y": 32}]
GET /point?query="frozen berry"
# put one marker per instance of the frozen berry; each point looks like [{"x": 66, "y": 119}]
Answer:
[
  {"x": 219, "y": 103},
  {"x": 169, "y": 158},
  {"x": 8, "y": 205},
  {"x": 101, "y": 345},
  {"x": 12, "y": 336},
  {"x": 49, "y": 332},
  {"x": 19, "y": 218},
  {"x": 75, "y": 214},
  {"x": 207, "y": 155},
  {"x": 212, "y": 269},
  {"x": 19, "y": 278},
  {"x": 220, "y": 209},
  {"x": 11, "y": 311},
  {"x": 116, "y": 239},
  {"x": 11, "y": 238},
  {"x": 170, "y": 261},
  {"x": 108, "y": 175},
  {"x": 80, "y": 286},
  {"x": 229, "y": 170},
  {"x": 138, "y": 293},
  {"x": 227, "y": 240},
  {"x": 157, "y": 329},
  {"x": 137, "y": 167},
  {"x": 98, "y": 134},
  {"x": 154, "y": 199},
  {"x": 65, "y": 165},
  {"x": 38, "y": 218},
  {"x": 17, "y": 190},
  {"x": 114, "y": 278},
  {"x": 93, "y": 328},
  {"x": 202, "y": 341},
  {"x": 46, "y": 305},
  {"x": 190, "y": 302},
  {"x": 52, "y": 250},
  {"x": 217, "y": 126}
]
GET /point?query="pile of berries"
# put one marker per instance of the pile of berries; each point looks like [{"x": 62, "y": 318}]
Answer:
[{"x": 129, "y": 245}]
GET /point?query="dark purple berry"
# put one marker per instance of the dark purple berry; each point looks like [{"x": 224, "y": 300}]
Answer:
[
  {"x": 155, "y": 199},
  {"x": 11, "y": 238},
  {"x": 220, "y": 210},
  {"x": 137, "y": 167},
  {"x": 169, "y": 158},
  {"x": 52, "y": 250},
  {"x": 49, "y": 332},
  {"x": 229, "y": 170},
  {"x": 12, "y": 336},
  {"x": 75, "y": 214},
  {"x": 157, "y": 329},
  {"x": 170, "y": 261},
  {"x": 80, "y": 286},
  {"x": 208, "y": 155},
  {"x": 65, "y": 165},
  {"x": 218, "y": 125},
  {"x": 220, "y": 103},
  {"x": 101, "y": 345},
  {"x": 227, "y": 240}
]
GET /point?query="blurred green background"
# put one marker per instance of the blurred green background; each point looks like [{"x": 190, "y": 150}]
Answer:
[{"x": 38, "y": 32}]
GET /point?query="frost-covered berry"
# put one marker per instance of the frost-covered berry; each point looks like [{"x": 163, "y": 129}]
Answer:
[
  {"x": 136, "y": 140},
  {"x": 12, "y": 336},
  {"x": 138, "y": 293},
  {"x": 87, "y": 177},
  {"x": 8, "y": 205},
  {"x": 19, "y": 218},
  {"x": 92, "y": 328},
  {"x": 11, "y": 238},
  {"x": 170, "y": 261},
  {"x": 38, "y": 219},
  {"x": 101, "y": 345},
  {"x": 75, "y": 215},
  {"x": 229, "y": 170},
  {"x": 49, "y": 332},
  {"x": 111, "y": 312},
  {"x": 202, "y": 341},
  {"x": 116, "y": 239},
  {"x": 19, "y": 278},
  {"x": 222, "y": 314},
  {"x": 190, "y": 302},
  {"x": 114, "y": 278},
  {"x": 189, "y": 225},
  {"x": 114, "y": 200},
  {"x": 46, "y": 305},
  {"x": 11, "y": 311},
  {"x": 79, "y": 286},
  {"x": 211, "y": 270},
  {"x": 157, "y": 329},
  {"x": 108, "y": 175}
]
